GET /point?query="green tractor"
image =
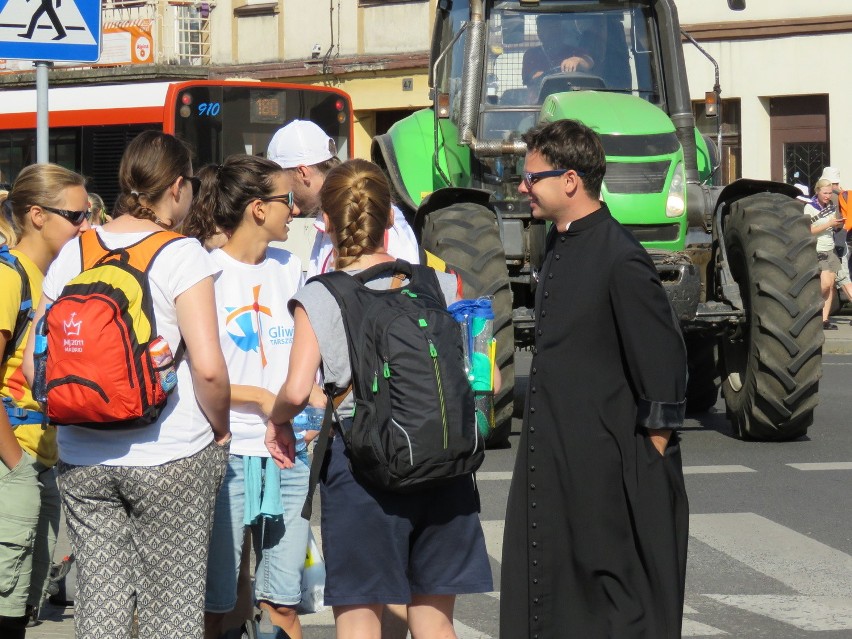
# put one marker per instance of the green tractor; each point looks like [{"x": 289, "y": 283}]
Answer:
[{"x": 738, "y": 262}]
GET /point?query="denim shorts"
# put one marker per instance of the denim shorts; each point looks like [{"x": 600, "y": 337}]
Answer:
[
  {"x": 279, "y": 544},
  {"x": 383, "y": 547}
]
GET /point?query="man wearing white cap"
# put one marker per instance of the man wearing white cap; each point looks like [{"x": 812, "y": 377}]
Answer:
[{"x": 303, "y": 147}]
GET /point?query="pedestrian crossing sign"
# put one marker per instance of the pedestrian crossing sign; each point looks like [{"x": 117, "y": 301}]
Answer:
[{"x": 50, "y": 30}]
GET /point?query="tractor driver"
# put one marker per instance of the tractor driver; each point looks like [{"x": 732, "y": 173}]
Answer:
[{"x": 555, "y": 53}]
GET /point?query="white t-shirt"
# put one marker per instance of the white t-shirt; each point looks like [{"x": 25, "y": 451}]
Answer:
[
  {"x": 181, "y": 430},
  {"x": 400, "y": 243},
  {"x": 256, "y": 332}
]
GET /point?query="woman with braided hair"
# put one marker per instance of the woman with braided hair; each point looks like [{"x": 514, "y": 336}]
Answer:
[{"x": 418, "y": 549}]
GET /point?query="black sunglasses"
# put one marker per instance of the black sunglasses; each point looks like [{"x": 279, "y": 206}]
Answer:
[
  {"x": 284, "y": 198},
  {"x": 75, "y": 217},
  {"x": 532, "y": 178}
]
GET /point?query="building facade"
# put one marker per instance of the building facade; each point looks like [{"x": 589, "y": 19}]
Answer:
[{"x": 781, "y": 65}]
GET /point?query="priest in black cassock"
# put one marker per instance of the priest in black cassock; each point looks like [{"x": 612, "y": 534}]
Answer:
[{"x": 597, "y": 518}]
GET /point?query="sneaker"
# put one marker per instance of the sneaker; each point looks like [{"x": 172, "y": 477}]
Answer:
[{"x": 828, "y": 326}]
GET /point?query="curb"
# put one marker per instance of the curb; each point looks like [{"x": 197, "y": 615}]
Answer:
[{"x": 837, "y": 347}]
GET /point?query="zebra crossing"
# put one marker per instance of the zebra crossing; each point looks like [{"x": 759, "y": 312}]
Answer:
[{"x": 798, "y": 583}]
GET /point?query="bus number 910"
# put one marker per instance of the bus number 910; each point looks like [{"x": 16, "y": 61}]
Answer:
[{"x": 209, "y": 109}]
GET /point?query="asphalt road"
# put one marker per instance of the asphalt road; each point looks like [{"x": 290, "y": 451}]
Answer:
[{"x": 770, "y": 551}]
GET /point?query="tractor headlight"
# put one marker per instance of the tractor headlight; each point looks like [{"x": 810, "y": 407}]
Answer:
[{"x": 676, "y": 202}]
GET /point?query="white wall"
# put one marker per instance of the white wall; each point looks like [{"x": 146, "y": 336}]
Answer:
[
  {"x": 755, "y": 70},
  {"x": 691, "y": 11}
]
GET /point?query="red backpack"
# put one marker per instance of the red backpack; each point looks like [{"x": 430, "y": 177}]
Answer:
[{"x": 99, "y": 370}]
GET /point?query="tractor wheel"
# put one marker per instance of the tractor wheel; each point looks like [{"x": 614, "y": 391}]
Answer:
[
  {"x": 702, "y": 389},
  {"x": 771, "y": 368},
  {"x": 466, "y": 237}
]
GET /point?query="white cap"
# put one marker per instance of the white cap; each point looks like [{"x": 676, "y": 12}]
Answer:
[
  {"x": 300, "y": 143},
  {"x": 832, "y": 174}
]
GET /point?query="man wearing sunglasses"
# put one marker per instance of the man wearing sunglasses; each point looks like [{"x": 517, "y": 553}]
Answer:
[{"x": 596, "y": 530}]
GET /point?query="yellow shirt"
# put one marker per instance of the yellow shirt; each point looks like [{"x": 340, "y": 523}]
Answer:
[{"x": 39, "y": 442}]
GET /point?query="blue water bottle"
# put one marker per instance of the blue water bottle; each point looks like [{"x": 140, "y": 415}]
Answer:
[
  {"x": 39, "y": 389},
  {"x": 309, "y": 419}
]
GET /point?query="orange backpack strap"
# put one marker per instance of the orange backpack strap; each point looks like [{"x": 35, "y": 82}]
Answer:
[{"x": 139, "y": 255}]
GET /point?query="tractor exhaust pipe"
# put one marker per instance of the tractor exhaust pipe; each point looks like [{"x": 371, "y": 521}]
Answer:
[{"x": 472, "y": 73}]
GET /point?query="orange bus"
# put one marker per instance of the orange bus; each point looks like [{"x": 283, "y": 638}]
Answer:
[{"x": 91, "y": 125}]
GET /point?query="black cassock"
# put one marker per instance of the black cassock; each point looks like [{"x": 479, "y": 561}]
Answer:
[{"x": 597, "y": 519}]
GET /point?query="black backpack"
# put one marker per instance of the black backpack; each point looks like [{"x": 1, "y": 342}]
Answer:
[{"x": 414, "y": 424}]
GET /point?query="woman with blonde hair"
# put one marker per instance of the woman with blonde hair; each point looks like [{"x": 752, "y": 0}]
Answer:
[
  {"x": 417, "y": 549},
  {"x": 46, "y": 207},
  {"x": 139, "y": 501},
  {"x": 827, "y": 226}
]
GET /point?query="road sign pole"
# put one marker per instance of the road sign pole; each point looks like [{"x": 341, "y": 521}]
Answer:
[{"x": 42, "y": 126}]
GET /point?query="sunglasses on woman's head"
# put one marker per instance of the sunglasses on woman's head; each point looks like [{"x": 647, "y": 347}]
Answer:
[{"x": 75, "y": 217}]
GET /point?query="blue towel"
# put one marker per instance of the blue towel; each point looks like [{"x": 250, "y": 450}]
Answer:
[{"x": 262, "y": 479}]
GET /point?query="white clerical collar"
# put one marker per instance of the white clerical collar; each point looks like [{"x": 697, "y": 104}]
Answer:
[{"x": 567, "y": 225}]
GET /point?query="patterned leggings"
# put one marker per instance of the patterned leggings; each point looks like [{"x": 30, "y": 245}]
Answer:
[{"x": 140, "y": 535}]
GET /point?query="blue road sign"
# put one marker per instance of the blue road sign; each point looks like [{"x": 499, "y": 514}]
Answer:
[{"x": 53, "y": 30}]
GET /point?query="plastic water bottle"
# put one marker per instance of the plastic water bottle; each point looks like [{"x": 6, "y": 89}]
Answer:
[
  {"x": 315, "y": 417},
  {"x": 39, "y": 389},
  {"x": 164, "y": 363},
  {"x": 309, "y": 419}
]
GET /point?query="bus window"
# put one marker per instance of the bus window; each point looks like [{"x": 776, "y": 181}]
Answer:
[{"x": 220, "y": 121}]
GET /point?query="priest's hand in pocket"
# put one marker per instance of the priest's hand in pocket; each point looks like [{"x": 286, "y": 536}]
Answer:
[{"x": 660, "y": 439}]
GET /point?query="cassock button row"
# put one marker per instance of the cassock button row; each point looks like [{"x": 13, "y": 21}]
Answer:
[
  {"x": 532, "y": 409},
  {"x": 550, "y": 276},
  {"x": 556, "y": 256},
  {"x": 535, "y": 524},
  {"x": 535, "y": 601},
  {"x": 535, "y": 618},
  {"x": 544, "y": 313},
  {"x": 547, "y": 294},
  {"x": 532, "y": 429},
  {"x": 532, "y": 449},
  {"x": 562, "y": 238},
  {"x": 532, "y": 389},
  {"x": 535, "y": 562},
  {"x": 532, "y": 469},
  {"x": 535, "y": 544},
  {"x": 534, "y": 504},
  {"x": 539, "y": 331},
  {"x": 532, "y": 486},
  {"x": 534, "y": 370},
  {"x": 535, "y": 581}
]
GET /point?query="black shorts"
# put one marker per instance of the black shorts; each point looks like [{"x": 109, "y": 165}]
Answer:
[{"x": 383, "y": 547}]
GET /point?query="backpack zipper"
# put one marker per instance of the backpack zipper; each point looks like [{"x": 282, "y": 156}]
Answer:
[{"x": 434, "y": 353}]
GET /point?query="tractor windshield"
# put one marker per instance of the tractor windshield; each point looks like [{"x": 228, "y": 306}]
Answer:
[{"x": 564, "y": 46}]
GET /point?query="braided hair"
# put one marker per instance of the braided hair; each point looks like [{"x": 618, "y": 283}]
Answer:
[{"x": 356, "y": 198}]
